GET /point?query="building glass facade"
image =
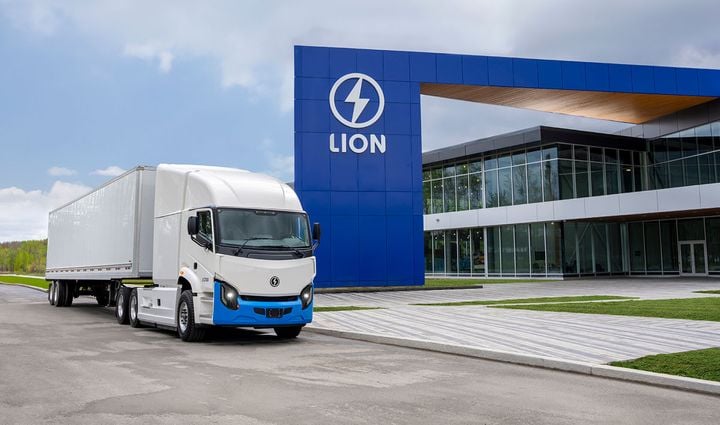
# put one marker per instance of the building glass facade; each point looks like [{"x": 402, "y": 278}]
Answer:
[{"x": 551, "y": 170}]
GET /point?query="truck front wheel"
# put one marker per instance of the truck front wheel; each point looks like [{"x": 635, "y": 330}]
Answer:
[
  {"x": 288, "y": 332},
  {"x": 187, "y": 329}
]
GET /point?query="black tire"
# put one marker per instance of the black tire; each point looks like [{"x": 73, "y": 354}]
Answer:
[
  {"x": 121, "y": 305},
  {"x": 51, "y": 295},
  {"x": 187, "y": 329},
  {"x": 288, "y": 332},
  {"x": 133, "y": 309},
  {"x": 60, "y": 293},
  {"x": 69, "y": 294}
]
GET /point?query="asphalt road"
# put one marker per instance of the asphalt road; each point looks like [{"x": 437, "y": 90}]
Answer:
[{"x": 76, "y": 365}]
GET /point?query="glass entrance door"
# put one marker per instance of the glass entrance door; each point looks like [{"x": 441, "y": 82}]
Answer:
[{"x": 692, "y": 258}]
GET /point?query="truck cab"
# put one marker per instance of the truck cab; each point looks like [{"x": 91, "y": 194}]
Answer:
[{"x": 230, "y": 248}]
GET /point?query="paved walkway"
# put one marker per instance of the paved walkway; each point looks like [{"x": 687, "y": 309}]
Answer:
[{"x": 580, "y": 337}]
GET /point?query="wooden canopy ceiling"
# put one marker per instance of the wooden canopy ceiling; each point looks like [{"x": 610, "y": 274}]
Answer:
[{"x": 633, "y": 108}]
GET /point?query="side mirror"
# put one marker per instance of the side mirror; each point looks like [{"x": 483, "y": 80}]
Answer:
[
  {"x": 193, "y": 225},
  {"x": 316, "y": 231}
]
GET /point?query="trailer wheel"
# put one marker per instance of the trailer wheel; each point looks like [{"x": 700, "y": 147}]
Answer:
[
  {"x": 60, "y": 293},
  {"x": 288, "y": 332},
  {"x": 187, "y": 329},
  {"x": 51, "y": 293},
  {"x": 121, "y": 305},
  {"x": 133, "y": 309}
]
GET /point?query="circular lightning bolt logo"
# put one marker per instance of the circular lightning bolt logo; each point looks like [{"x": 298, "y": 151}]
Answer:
[{"x": 359, "y": 103}]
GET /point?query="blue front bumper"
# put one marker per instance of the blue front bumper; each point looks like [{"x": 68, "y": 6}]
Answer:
[{"x": 260, "y": 313}]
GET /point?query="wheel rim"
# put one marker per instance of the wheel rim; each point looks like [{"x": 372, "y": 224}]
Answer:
[
  {"x": 133, "y": 308},
  {"x": 183, "y": 317},
  {"x": 120, "y": 307}
]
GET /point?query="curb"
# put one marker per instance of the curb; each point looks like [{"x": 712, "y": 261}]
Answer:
[
  {"x": 365, "y": 289},
  {"x": 26, "y": 286},
  {"x": 605, "y": 371}
]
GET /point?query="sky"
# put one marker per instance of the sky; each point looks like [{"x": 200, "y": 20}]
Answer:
[{"x": 90, "y": 88}]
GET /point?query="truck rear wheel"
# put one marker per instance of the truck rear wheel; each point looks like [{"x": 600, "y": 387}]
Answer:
[
  {"x": 69, "y": 294},
  {"x": 288, "y": 332},
  {"x": 133, "y": 309},
  {"x": 121, "y": 305},
  {"x": 187, "y": 329},
  {"x": 60, "y": 293}
]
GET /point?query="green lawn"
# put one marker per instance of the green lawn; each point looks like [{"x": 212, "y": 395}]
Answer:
[
  {"x": 32, "y": 281},
  {"x": 531, "y": 300},
  {"x": 701, "y": 364},
  {"x": 708, "y": 292},
  {"x": 681, "y": 308},
  {"x": 344, "y": 308},
  {"x": 445, "y": 282}
]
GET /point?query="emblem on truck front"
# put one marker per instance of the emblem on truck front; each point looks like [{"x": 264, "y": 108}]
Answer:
[{"x": 274, "y": 281}]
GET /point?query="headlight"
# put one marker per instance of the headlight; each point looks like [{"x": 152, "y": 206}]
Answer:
[
  {"x": 229, "y": 296},
  {"x": 306, "y": 296}
]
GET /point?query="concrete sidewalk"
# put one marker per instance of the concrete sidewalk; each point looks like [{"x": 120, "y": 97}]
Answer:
[{"x": 595, "y": 339}]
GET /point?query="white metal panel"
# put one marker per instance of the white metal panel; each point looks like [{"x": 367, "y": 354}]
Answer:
[
  {"x": 166, "y": 253},
  {"x": 679, "y": 198},
  {"x": 525, "y": 213},
  {"x": 94, "y": 237},
  {"x": 602, "y": 206},
  {"x": 147, "y": 209},
  {"x": 638, "y": 202},
  {"x": 710, "y": 195}
]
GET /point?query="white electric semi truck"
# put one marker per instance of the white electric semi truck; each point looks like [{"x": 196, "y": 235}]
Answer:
[{"x": 220, "y": 246}]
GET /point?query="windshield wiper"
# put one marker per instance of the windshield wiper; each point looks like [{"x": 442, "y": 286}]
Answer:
[{"x": 239, "y": 250}]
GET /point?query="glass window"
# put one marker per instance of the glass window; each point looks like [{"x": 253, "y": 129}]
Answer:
[
  {"x": 505, "y": 186},
  {"x": 427, "y": 197},
  {"x": 478, "y": 252},
  {"x": 585, "y": 248},
  {"x": 438, "y": 251},
  {"x": 427, "y": 175},
  {"x": 625, "y": 157},
  {"x": 461, "y": 168},
  {"x": 534, "y": 155},
  {"x": 616, "y": 250},
  {"x": 707, "y": 169},
  {"x": 570, "y": 265},
  {"x": 669, "y": 243},
  {"x": 692, "y": 174},
  {"x": 490, "y": 163},
  {"x": 691, "y": 230},
  {"x": 713, "y": 244},
  {"x": 508, "y": 250},
  {"x": 637, "y": 247},
  {"x": 522, "y": 249},
  {"x": 597, "y": 178},
  {"x": 537, "y": 248},
  {"x": 518, "y": 158},
  {"x": 551, "y": 185},
  {"x": 451, "y": 253},
  {"x": 493, "y": 252},
  {"x": 600, "y": 248},
  {"x": 476, "y": 191},
  {"x": 596, "y": 154},
  {"x": 627, "y": 178},
  {"x": 504, "y": 161},
  {"x": 612, "y": 179},
  {"x": 638, "y": 178},
  {"x": 436, "y": 173},
  {"x": 676, "y": 173},
  {"x": 653, "y": 257},
  {"x": 659, "y": 176},
  {"x": 428, "y": 252},
  {"x": 611, "y": 156},
  {"x": 581, "y": 153},
  {"x": 550, "y": 152},
  {"x": 475, "y": 167},
  {"x": 464, "y": 251},
  {"x": 534, "y": 178},
  {"x": 449, "y": 171},
  {"x": 582, "y": 180},
  {"x": 491, "y": 189},
  {"x": 437, "y": 196},
  {"x": 564, "y": 151},
  {"x": 565, "y": 173},
  {"x": 554, "y": 247},
  {"x": 463, "y": 202},
  {"x": 449, "y": 192},
  {"x": 205, "y": 230},
  {"x": 519, "y": 185}
]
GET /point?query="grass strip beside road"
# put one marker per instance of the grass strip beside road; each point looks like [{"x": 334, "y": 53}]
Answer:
[
  {"x": 37, "y": 282},
  {"x": 700, "y": 364},
  {"x": 530, "y": 300},
  {"x": 707, "y": 292},
  {"x": 679, "y": 308},
  {"x": 344, "y": 308},
  {"x": 449, "y": 282}
]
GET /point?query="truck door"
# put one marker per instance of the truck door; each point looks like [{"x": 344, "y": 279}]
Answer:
[{"x": 202, "y": 250}]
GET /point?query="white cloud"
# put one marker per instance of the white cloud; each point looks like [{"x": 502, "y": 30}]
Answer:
[
  {"x": 150, "y": 52},
  {"x": 111, "y": 171},
  {"x": 61, "y": 171},
  {"x": 24, "y": 214}
]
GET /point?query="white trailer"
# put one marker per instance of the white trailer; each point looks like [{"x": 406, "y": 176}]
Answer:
[{"x": 223, "y": 247}]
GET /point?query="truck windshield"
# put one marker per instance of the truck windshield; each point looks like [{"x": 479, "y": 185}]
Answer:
[{"x": 263, "y": 229}]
